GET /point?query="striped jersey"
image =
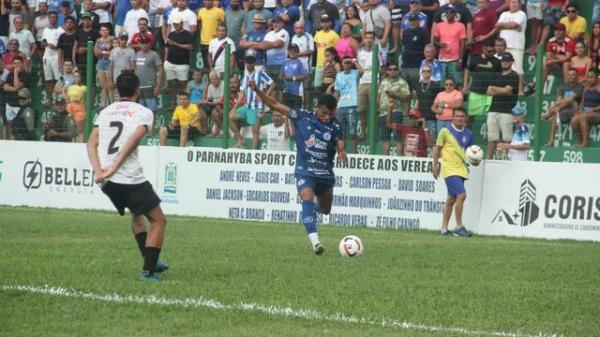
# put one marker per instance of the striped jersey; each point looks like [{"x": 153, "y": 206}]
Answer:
[
  {"x": 262, "y": 80},
  {"x": 116, "y": 125}
]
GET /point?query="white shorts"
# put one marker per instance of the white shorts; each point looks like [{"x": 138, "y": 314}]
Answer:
[
  {"x": 534, "y": 11},
  {"x": 499, "y": 124},
  {"x": 178, "y": 72},
  {"x": 518, "y": 56},
  {"x": 51, "y": 71},
  {"x": 11, "y": 112}
]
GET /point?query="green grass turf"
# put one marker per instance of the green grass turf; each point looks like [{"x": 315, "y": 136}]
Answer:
[{"x": 479, "y": 284}]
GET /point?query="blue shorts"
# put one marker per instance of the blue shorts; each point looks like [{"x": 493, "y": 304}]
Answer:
[
  {"x": 319, "y": 186},
  {"x": 455, "y": 185},
  {"x": 103, "y": 65},
  {"x": 347, "y": 118}
]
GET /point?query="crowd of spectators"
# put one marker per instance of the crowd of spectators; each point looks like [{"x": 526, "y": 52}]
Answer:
[{"x": 434, "y": 56}]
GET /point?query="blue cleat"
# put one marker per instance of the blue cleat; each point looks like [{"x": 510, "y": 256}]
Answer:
[
  {"x": 160, "y": 267},
  {"x": 462, "y": 232},
  {"x": 151, "y": 278}
]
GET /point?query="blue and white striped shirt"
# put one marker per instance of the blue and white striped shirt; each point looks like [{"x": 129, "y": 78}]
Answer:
[{"x": 262, "y": 80}]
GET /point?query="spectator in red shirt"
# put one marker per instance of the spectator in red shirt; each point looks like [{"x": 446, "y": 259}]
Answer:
[
  {"x": 559, "y": 50},
  {"x": 415, "y": 136},
  {"x": 143, "y": 31},
  {"x": 484, "y": 24}
]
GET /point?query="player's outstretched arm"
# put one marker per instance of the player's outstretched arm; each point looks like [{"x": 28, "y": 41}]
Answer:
[
  {"x": 92, "y": 150},
  {"x": 268, "y": 100}
]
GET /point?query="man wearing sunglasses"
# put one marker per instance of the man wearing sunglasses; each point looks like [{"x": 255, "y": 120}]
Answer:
[{"x": 576, "y": 24}]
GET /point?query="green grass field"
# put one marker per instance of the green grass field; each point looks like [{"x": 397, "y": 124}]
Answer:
[{"x": 234, "y": 278}]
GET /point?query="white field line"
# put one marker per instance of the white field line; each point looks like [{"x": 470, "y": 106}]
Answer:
[{"x": 309, "y": 314}]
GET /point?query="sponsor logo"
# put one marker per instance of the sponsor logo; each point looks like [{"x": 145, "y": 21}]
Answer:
[
  {"x": 36, "y": 176},
  {"x": 301, "y": 182},
  {"x": 327, "y": 136},
  {"x": 310, "y": 142},
  {"x": 170, "y": 184},
  {"x": 528, "y": 210}
]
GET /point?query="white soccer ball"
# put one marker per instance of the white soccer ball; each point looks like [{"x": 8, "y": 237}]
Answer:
[
  {"x": 474, "y": 154},
  {"x": 351, "y": 246}
]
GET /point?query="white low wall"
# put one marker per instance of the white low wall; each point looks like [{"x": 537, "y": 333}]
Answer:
[{"x": 373, "y": 191}]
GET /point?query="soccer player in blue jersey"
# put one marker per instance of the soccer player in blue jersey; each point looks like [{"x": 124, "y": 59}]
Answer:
[
  {"x": 318, "y": 137},
  {"x": 450, "y": 145}
]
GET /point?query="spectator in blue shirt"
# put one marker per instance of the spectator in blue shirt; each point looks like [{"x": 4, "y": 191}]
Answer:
[
  {"x": 415, "y": 8},
  {"x": 290, "y": 13},
  {"x": 293, "y": 74},
  {"x": 346, "y": 91},
  {"x": 122, "y": 8},
  {"x": 253, "y": 40}
]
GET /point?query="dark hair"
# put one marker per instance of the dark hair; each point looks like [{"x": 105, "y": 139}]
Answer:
[
  {"x": 69, "y": 18},
  {"x": 336, "y": 57},
  {"x": 355, "y": 10},
  {"x": 370, "y": 33},
  {"x": 222, "y": 25},
  {"x": 327, "y": 100},
  {"x": 18, "y": 58},
  {"x": 500, "y": 39},
  {"x": 183, "y": 93},
  {"x": 127, "y": 84},
  {"x": 52, "y": 13},
  {"x": 572, "y": 5},
  {"x": 459, "y": 109},
  {"x": 142, "y": 19}
]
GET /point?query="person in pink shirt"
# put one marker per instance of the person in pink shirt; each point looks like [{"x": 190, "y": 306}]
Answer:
[
  {"x": 450, "y": 37},
  {"x": 445, "y": 102},
  {"x": 347, "y": 46}
]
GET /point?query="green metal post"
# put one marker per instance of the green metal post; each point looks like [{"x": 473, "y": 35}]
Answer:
[
  {"x": 537, "y": 103},
  {"x": 372, "y": 118},
  {"x": 89, "y": 96},
  {"x": 226, "y": 93}
]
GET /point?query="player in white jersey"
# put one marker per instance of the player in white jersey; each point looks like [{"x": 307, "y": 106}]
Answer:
[{"x": 112, "y": 150}]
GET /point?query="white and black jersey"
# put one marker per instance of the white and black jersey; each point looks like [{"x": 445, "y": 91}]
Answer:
[{"x": 116, "y": 125}]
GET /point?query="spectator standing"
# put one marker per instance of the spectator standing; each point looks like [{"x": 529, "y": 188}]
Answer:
[
  {"x": 143, "y": 31},
  {"x": 594, "y": 45},
  {"x": 88, "y": 7},
  {"x": 445, "y": 102},
  {"x": 305, "y": 43},
  {"x": 251, "y": 16},
  {"x": 66, "y": 11},
  {"x": 249, "y": 105},
  {"x": 103, "y": 9},
  {"x": 505, "y": 95},
  {"x": 318, "y": 11},
  {"x": 414, "y": 136},
  {"x": 576, "y": 24},
  {"x": 346, "y": 92},
  {"x": 209, "y": 19},
  {"x": 396, "y": 88},
  {"x": 568, "y": 99},
  {"x": 484, "y": 24},
  {"x": 552, "y": 12},
  {"x": 353, "y": 18},
  {"x": 183, "y": 15},
  {"x": 414, "y": 40},
  {"x": 253, "y": 40},
  {"x": 84, "y": 35},
  {"x": 422, "y": 19},
  {"x": 276, "y": 44},
  {"x": 75, "y": 94},
  {"x": 65, "y": 79},
  {"x": 426, "y": 91},
  {"x": 378, "y": 21},
  {"x": 365, "y": 59},
  {"x": 432, "y": 62},
  {"x": 290, "y": 14},
  {"x": 102, "y": 51},
  {"x": 17, "y": 79},
  {"x": 462, "y": 15},
  {"x": 178, "y": 48},
  {"x": 535, "y": 17},
  {"x": 40, "y": 23},
  {"x": 60, "y": 126},
  {"x": 216, "y": 50},
  {"x": 324, "y": 39},
  {"x": 512, "y": 25},
  {"x": 122, "y": 58},
  {"x": 331, "y": 68},
  {"x": 50, "y": 58},
  {"x": 120, "y": 13},
  {"x": 450, "y": 36},
  {"x": 130, "y": 25},
  {"x": 518, "y": 149},
  {"x": 480, "y": 73},
  {"x": 234, "y": 18},
  {"x": 66, "y": 42},
  {"x": 347, "y": 46},
  {"x": 17, "y": 10},
  {"x": 430, "y": 7},
  {"x": 149, "y": 69},
  {"x": 27, "y": 43},
  {"x": 277, "y": 133},
  {"x": 293, "y": 73},
  {"x": 184, "y": 124},
  {"x": 589, "y": 113}
]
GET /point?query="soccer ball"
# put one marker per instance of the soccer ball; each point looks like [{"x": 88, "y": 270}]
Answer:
[
  {"x": 474, "y": 154},
  {"x": 351, "y": 246}
]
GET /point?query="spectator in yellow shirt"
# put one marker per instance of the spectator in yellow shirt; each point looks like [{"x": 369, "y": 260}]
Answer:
[
  {"x": 75, "y": 94},
  {"x": 185, "y": 122},
  {"x": 209, "y": 19},
  {"x": 325, "y": 38},
  {"x": 576, "y": 24}
]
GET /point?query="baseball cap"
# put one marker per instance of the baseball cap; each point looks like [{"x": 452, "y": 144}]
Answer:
[
  {"x": 518, "y": 110},
  {"x": 325, "y": 17},
  {"x": 250, "y": 56},
  {"x": 415, "y": 1},
  {"x": 65, "y": 4},
  {"x": 414, "y": 113},
  {"x": 508, "y": 57},
  {"x": 177, "y": 18},
  {"x": 123, "y": 35},
  {"x": 450, "y": 8},
  {"x": 24, "y": 93},
  {"x": 560, "y": 26},
  {"x": 258, "y": 18},
  {"x": 293, "y": 46},
  {"x": 86, "y": 15}
]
